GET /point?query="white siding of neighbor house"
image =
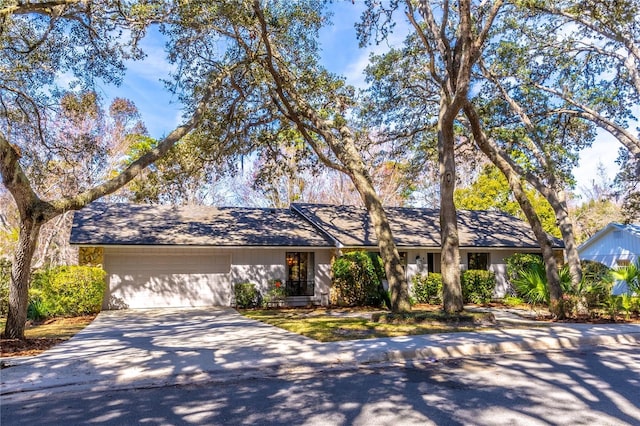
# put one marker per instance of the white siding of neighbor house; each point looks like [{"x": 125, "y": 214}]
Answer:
[
  {"x": 613, "y": 247},
  {"x": 148, "y": 277},
  {"x": 610, "y": 248}
]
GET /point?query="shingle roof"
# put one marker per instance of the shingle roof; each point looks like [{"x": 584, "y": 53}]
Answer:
[
  {"x": 632, "y": 229},
  {"x": 130, "y": 224},
  {"x": 417, "y": 227},
  {"x": 325, "y": 225}
]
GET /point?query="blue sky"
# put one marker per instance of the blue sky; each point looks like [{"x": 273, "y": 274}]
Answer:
[{"x": 340, "y": 54}]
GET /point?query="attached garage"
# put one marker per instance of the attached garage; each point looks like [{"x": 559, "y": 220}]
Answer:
[{"x": 166, "y": 278}]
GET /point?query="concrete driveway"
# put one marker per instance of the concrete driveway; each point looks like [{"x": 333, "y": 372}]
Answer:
[
  {"x": 154, "y": 347},
  {"x": 158, "y": 347}
]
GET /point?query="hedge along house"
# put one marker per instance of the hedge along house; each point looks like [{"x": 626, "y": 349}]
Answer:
[
  {"x": 160, "y": 256},
  {"x": 487, "y": 238}
]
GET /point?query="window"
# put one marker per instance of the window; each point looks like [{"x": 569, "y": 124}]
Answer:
[
  {"x": 430, "y": 261},
  {"x": 300, "y": 273},
  {"x": 404, "y": 256},
  {"x": 623, "y": 262},
  {"x": 478, "y": 261}
]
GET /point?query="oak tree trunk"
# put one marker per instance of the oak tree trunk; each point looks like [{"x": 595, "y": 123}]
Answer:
[
  {"x": 20, "y": 278},
  {"x": 450, "y": 260},
  {"x": 551, "y": 267},
  {"x": 346, "y": 151},
  {"x": 393, "y": 267}
]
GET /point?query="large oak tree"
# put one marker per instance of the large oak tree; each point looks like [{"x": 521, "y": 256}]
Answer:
[{"x": 40, "y": 43}]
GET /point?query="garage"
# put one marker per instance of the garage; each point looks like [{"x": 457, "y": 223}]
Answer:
[{"x": 155, "y": 278}]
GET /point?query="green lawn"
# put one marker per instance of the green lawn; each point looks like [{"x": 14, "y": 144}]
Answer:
[
  {"x": 327, "y": 325},
  {"x": 56, "y": 328}
]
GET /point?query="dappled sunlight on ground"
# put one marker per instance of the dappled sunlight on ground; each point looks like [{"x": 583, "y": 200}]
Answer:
[{"x": 180, "y": 346}]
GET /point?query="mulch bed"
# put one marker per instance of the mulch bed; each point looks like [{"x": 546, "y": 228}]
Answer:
[{"x": 15, "y": 347}]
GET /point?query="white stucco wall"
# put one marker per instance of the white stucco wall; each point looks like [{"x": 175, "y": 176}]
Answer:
[
  {"x": 497, "y": 265},
  {"x": 145, "y": 277}
]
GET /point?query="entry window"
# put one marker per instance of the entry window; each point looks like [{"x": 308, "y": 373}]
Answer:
[
  {"x": 478, "y": 261},
  {"x": 300, "y": 273},
  {"x": 430, "y": 263}
]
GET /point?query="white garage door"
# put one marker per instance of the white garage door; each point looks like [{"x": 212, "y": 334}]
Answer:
[{"x": 167, "y": 280}]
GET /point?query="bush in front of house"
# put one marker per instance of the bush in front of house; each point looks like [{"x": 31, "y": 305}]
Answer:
[
  {"x": 477, "y": 286},
  {"x": 247, "y": 295},
  {"x": 519, "y": 262},
  {"x": 5, "y": 277},
  {"x": 357, "y": 280},
  {"x": 427, "y": 288},
  {"x": 67, "y": 291}
]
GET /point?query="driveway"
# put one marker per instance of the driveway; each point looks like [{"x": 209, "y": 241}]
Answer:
[{"x": 161, "y": 346}]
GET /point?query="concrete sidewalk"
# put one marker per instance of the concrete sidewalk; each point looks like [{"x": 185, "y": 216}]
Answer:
[{"x": 150, "y": 348}]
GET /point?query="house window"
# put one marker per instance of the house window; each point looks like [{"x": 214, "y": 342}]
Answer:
[
  {"x": 623, "y": 262},
  {"x": 404, "y": 256},
  {"x": 430, "y": 262},
  {"x": 478, "y": 261},
  {"x": 300, "y": 273}
]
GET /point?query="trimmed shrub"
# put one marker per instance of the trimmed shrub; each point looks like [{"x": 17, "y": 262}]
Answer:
[
  {"x": 5, "y": 277},
  {"x": 427, "y": 288},
  {"x": 477, "y": 286},
  {"x": 68, "y": 291},
  {"x": 357, "y": 280},
  {"x": 247, "y": 295}
]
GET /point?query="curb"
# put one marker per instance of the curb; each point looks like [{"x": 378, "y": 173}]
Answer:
[{"x": 507, "y": 347}]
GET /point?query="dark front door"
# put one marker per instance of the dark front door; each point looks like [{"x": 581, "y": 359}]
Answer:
[{"x": 300, "y": 274}]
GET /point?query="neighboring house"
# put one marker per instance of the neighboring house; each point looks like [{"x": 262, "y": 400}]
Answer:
[
  {"x": 614, "y": 246},
  {"x": 158, "y": 256}
]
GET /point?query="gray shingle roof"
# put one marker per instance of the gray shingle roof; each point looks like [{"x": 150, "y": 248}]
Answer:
[
  {"x": 130, "y": 224},
  {"x": 416, "y": 227}
]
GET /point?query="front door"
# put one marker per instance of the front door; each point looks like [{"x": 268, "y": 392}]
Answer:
[{"x": 300, "y": 273}]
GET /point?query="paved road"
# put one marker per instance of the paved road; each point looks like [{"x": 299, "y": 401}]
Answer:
[{"x": 591, "y": 386}]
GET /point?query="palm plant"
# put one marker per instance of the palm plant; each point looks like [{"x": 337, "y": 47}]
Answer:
[
  {"x": 630, "y": 274},
  {"x": 531, "y": 284}
]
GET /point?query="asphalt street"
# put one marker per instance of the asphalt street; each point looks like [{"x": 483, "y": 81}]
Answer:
[{"x": 590, "y": 386}]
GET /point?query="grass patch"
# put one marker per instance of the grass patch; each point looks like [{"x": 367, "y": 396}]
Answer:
[
  {"x": 54, "y": 328},
  {"x": 43, "y": 335},
  {"x": 330, "y": 325}
]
